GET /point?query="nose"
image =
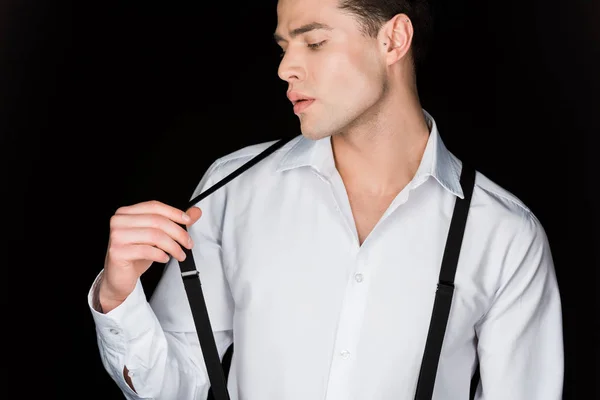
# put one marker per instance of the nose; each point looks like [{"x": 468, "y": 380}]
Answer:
[{"x": 291, "y": 68}]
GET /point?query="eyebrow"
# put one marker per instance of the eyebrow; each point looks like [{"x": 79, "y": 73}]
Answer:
[{"x": 303, "y": 29}]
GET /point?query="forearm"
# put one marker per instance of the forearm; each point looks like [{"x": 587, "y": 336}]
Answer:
[
  {"x": 145, "y": 361},
  {"x": 155, "y": 368}
]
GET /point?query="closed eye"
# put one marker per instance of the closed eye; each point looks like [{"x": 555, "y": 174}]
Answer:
[
  {"x": 316, "y": 45},
  {"x": 312, "y": 46}
]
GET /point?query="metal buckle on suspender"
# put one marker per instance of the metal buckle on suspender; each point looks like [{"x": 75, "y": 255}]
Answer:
[
  {"x": 446, "y": 287},
  {"x": 188, "y": 274}
]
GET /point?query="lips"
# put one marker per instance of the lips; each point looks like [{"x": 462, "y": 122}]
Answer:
[
  {"x": 295, "y": 96},
  {"x": 302, "y": 105},
  {"x": 300, "y": 101}
]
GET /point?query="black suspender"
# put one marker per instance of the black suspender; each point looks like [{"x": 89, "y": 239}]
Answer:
[
  {"x": 441, "y": 308},
  {"x": 445, "y": 288}
]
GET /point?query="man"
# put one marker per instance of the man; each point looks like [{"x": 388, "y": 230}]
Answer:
[{"x": 322, "y": 260}]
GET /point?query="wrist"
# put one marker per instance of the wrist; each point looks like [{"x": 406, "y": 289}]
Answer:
[{"x": 104, "y": 299}]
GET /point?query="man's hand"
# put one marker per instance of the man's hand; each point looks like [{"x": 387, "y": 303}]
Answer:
[{"x": 140, "y": 235}]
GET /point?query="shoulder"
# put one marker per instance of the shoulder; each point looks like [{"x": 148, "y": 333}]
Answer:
[
  {"x": 505, "y": 213},
  {"x": 227, "y": 164},
  {"x": 498, "y": 197}
]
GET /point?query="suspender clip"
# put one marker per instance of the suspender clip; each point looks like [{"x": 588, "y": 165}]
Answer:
[
  {"x": 445, "y": 287},
  {"x": 190, "y": 274}
]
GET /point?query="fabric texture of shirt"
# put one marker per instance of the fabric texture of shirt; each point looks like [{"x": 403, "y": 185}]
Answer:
[{"x": 314, "y": 315}]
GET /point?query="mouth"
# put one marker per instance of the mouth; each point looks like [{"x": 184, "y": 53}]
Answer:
[{"x": 302, "y": 104}]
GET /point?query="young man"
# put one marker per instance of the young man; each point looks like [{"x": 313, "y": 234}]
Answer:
[{"x": 322, "y": 260}]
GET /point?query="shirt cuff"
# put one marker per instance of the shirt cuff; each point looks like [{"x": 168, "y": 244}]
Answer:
[{"x": 128, "y": 321}]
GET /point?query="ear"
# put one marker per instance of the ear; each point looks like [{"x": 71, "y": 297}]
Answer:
[{"x": 396, "y": 38}]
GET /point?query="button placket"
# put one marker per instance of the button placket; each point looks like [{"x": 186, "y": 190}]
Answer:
[{"x": 351, "y": 320}]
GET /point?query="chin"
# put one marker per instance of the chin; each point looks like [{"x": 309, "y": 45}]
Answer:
[
  {"x": 313, "y": 131},
  {"x": 313, "y": 134}
]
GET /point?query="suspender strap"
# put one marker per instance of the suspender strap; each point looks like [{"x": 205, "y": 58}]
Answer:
[
  {"x": 193, "y": 289},
  {"x": 445, "y": 288}
]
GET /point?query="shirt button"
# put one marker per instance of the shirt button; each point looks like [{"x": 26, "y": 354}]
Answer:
[
  {"x": 114, "y": 331},
  {"x": 358, "y": 277},
  {"x": 345, "y": 354}
]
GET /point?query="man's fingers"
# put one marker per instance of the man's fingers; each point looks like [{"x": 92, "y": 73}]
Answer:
[
  {"x": 148, "y": 236},
  {"x": 135, "y": 252},
  {"x": 156, "y": 207},
  {"x": 194, "y": 213},
  {"x": 154, "y": 221}
]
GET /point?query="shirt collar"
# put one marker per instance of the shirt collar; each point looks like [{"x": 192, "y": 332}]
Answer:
[{"x": 437, "y": 161}]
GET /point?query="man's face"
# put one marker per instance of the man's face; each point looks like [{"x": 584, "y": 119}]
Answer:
[{"x": 336, "y": 65}]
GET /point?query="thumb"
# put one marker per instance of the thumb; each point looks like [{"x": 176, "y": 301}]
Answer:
[{"x": 195, "y": 213}]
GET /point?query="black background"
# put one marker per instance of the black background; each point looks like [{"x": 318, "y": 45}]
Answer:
[{"x": 110, "y": 103}]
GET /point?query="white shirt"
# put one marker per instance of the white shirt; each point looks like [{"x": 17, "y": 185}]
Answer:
[{"x": 316, "y": 316}]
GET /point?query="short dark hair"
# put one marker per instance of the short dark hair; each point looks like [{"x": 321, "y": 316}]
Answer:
[{"x": 373, "y": 14}]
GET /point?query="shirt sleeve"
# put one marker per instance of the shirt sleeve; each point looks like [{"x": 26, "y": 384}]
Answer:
[
  {"x": 520, "y": 342},
  {"x": 156, "y": 340}
]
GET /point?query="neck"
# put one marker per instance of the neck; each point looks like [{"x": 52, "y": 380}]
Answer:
[{"x": 380, "y": 156}]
